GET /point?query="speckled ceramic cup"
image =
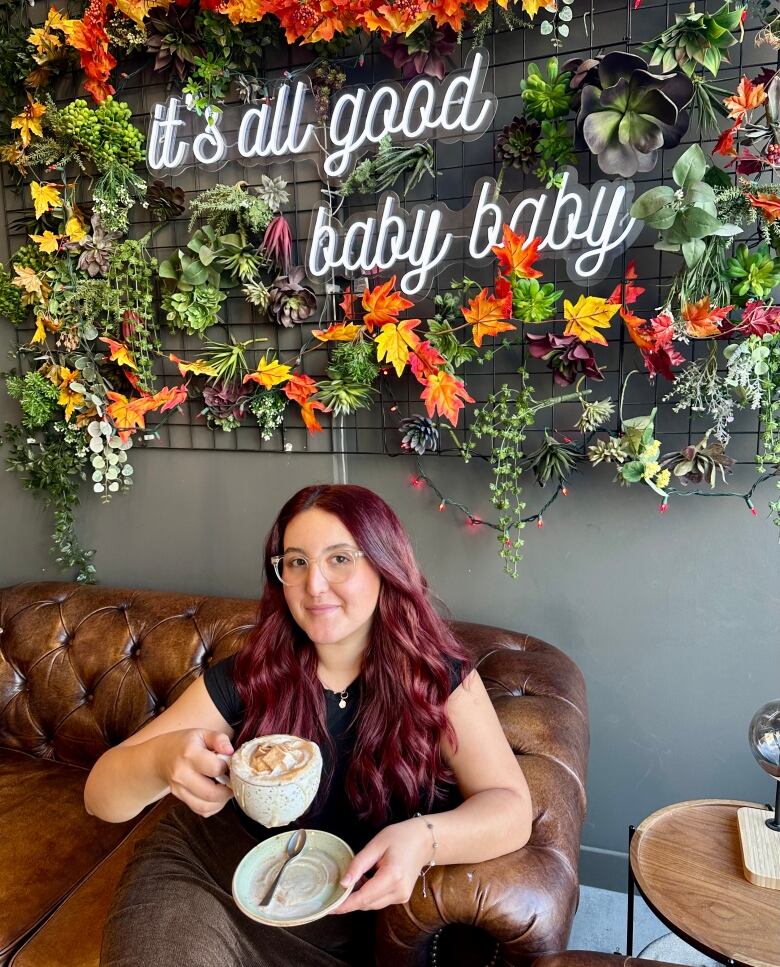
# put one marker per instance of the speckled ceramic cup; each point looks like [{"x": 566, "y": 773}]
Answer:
[{"x": 274, "y": 777}]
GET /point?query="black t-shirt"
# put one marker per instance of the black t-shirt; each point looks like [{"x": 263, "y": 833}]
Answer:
[{"x": 332, "y": 812}]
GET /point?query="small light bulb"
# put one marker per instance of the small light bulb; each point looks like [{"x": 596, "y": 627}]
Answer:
[
  {"x": 540, "y": 523},
  {"x": 565, "y": 491},
  {"x": 441, "y": 506}
]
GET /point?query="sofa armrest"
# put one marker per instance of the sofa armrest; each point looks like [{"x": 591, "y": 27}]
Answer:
[{"x": 525, "y": 900}]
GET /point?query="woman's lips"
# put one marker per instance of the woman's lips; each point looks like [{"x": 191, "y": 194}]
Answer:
[{"x": 323, "y": 608}]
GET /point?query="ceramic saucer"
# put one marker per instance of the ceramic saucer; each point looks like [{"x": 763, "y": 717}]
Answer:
[{"x": 309, "y": 888}]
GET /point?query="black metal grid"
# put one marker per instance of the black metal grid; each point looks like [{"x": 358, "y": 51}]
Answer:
[{"x": 600, "y": 26}]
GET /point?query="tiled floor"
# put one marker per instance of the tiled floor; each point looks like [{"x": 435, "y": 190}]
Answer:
[{"x": 600, "y": 923}]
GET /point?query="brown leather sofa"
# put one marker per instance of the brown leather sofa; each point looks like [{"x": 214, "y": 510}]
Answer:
[{"x": 82, "y": 668}]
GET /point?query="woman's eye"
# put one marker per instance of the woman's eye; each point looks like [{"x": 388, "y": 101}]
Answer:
[
  {"x": 297, "y": 562},
  {"x": 341, "y": 559}
]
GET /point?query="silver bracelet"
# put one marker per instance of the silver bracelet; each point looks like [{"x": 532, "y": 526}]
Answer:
[{"x": 432, "y": 861}]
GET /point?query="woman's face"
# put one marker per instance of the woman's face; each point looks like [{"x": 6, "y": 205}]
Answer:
[{"x": 349, "y": 605}]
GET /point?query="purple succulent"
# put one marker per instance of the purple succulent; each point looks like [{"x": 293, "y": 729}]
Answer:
[
  {"x": 225, "y": 403},
  {"x": 566, "y": 356},
  {"x": 425, "y": 51}
]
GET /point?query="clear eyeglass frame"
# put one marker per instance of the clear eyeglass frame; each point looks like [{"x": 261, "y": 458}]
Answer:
[{"x": 277, "y": 559}]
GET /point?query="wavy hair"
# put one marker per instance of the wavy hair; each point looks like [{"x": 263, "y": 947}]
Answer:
[{"x": 405, "y": 670}]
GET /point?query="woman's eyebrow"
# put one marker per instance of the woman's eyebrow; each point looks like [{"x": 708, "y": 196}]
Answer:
[{"x": 330, "y": 548}]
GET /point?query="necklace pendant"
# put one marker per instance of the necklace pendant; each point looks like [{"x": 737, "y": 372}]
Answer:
[{"x": 343, "y": 702}]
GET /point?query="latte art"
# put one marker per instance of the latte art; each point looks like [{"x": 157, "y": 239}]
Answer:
[
  {"x": 286, "y": 757},
  {"x": 275, "y": 777}
]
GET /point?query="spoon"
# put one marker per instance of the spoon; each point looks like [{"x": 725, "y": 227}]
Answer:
[{"x": 294, "y": 846}]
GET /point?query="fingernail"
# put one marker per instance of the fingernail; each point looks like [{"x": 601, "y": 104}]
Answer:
[{"x": 346, "y": 880}]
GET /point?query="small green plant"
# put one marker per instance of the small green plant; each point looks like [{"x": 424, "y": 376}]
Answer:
[
  {"x": 546, "y": 96},
  {"x": 753, "y": 273}
]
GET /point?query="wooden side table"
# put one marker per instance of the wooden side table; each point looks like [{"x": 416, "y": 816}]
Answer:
[{"x": 686, "y": 862}]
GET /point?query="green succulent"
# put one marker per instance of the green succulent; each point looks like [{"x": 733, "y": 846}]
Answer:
[
  {"x": 344, "y": 396},
  {"x": 36, "y": 395},
  {"x": 556, "y": 149},
  {"x": 687, "y": 216},
  {"x": 553, "y": 459},
  {"x": 532, "y": 301},
  {"x": 754, "y": 273},
  {"x": 194, "y": 310},
  {"x": 696, "y": 39},
  {"x": 546, "y": 97}
]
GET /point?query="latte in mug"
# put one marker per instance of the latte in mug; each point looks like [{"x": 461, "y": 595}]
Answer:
[{"x": 275, "y": 777}]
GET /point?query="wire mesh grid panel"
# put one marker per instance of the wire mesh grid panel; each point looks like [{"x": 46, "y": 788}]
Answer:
[{"x": 595, "y": 28}]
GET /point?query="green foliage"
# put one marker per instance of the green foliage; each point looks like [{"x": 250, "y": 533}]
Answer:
[
  {"x": 36, "y": 395},
  {"x": 532, "y": 301},
  {"x": 546, "y": 96},
  {"x": 556, "y": 149},
  {"x": 354, "y": 362},
  {"x": 442, "y": 338},
  {"x": 104, "y": 135},
  {"x": 230, "y": 208},
  {"x": 391, "y": 163},
  {"x": 11, "y": 307},
  {"x": 688, "y": 216},
  {"x": 51, "y": 463}
]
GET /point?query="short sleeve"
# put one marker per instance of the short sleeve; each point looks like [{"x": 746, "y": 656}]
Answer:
[
  {"x": 455, "y": 665},
  {"x": 219, "y": 683}
]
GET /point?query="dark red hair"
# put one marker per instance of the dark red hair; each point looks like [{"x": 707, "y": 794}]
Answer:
[{"x": 405, "y": 669}]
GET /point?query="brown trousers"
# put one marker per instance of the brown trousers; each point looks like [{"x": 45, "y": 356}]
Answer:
[{"x": 174, "y": 908}]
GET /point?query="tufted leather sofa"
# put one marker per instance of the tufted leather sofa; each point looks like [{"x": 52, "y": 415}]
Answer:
[{"x": 82, "y": 668}]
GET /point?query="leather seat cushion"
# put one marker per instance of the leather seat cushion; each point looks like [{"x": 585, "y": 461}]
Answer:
[
  {"x": 72, "y": 934},
  {"x": 49, "y": 843}
]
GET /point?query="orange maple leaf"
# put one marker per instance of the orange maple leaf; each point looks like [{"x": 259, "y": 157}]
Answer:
[
  {"x": 337, "y": 332},
  {"x": 394, "y": 342},
  {"x": 516, "y": 255},
  {"x": 308, "y": 417},
  {"x": 445, "y": 394},
  {"x": 169, "y": 397},
  {"x": 128, "y": 415},
  {"x": 382, "y": 305},
  {"x": 119, "y": 352},
  {"x": 299, "y": 387},
  {"x": 488, "y": 315},
  {"x": 425, "y": 360},
  {"x": 768, "y": 204},
  {"x": 269, "y": 372},
  {"x": 748, "y": 97},
  {"x": 348, "y": 304},
  {"x": 701, "y": 320},
  {"x": 635, "y": 325},
  {"x": 625, "y": 293}
]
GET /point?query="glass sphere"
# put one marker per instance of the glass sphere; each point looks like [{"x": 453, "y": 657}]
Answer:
[{"x": 764, "y": 735}]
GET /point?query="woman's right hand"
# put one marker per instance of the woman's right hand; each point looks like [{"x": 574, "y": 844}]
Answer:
[{"x": 189, "y": 761}]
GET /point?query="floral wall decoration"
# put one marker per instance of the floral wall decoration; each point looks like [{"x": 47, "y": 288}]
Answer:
[{"x": 207, "y": 233}]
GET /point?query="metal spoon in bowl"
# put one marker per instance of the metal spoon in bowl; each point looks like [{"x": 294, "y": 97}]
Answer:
[{"x": 295, "y": 845}]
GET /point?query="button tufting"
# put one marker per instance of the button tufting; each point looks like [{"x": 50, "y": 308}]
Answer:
[
  {"x": 160, "y": 708},
  {"x": 88, "y": 697}
]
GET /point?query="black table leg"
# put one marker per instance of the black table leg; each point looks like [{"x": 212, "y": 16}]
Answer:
[{"x": 630, "y": 914}]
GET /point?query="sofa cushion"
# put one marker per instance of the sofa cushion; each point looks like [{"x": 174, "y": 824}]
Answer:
[
  {"x": 49, "y": 842},
  {"x": 72, "y": 934}
]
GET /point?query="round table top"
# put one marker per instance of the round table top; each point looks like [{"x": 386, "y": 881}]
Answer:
[{"x": 687, "y": 861}]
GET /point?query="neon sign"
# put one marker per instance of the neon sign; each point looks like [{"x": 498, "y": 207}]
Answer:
[{"x": 588, "y": 228}]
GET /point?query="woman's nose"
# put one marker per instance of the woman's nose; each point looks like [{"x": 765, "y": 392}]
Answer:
[{"x": 315, "y": 580}]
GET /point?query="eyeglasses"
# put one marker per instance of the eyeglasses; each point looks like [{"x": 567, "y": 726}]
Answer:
[{"x": 292, "y": 568}]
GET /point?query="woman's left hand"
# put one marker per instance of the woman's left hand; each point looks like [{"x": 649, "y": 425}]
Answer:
[{"x": 398, "y": 852}]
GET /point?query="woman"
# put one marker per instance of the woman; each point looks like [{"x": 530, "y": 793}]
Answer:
[{"x": 348, "y": 652}]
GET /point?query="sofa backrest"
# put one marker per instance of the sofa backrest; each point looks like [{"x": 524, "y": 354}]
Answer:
[{"x": 83, "y": 667}]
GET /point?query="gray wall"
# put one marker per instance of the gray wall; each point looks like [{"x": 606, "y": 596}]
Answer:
[{"x": 673, "y": 620}]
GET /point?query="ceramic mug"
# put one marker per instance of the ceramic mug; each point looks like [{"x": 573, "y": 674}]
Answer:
[{"x": 274, "y": 778}]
